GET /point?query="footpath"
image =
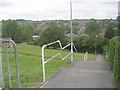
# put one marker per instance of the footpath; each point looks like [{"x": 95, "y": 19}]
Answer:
[{"x": 80, "y": 74}]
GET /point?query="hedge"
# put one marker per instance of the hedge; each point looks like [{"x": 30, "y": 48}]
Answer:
[{"x": 114, "y": 58}]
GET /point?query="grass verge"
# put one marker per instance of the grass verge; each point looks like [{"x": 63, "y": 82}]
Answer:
[{"x": 30, "y": 66}]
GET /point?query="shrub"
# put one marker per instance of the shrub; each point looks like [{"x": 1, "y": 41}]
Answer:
[
  {"x": 114, "y": 58},
  {"x": 51, "y": 34},
  {"x": 84, "y": 44}
]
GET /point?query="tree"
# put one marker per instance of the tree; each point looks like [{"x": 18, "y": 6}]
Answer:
[
  {"x": 109, "y": 32},
  {"x": 19, "y": 33},
  {"x": 92, "y": 28},
  {"x": 84, "y": 44},
  {"x": 118, "y": 25},
  {"x": 10, "y": 29},
  {"x": 27, "y": 31},
  {"x": 51, "y": 34}
]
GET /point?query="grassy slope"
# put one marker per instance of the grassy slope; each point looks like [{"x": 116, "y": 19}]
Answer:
[{"x": 30, "y": 67}]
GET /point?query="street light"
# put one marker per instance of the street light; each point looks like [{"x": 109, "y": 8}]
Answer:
[
  {"x": 71, "y": 32},
  {"x": 96, "y": 44}
]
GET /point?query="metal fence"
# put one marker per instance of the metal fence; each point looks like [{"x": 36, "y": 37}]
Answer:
[{"x": 6, "y": 43}]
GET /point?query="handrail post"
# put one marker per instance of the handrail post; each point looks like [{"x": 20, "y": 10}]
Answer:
[
  {"x": 85, "y": 56},
  {"x": 43, "y": 64},
  {"x": 8, "y": 67},
  {"x": 71, "y": 52},
  {"x": 16, "y": 61}
]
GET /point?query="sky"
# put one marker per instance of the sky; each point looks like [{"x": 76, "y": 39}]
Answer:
[{"x": 58, "y": 9}]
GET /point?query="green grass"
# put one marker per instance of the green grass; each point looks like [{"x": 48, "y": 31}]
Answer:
[{"x": 30, "y": 67}]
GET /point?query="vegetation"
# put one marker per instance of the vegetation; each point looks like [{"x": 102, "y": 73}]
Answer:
[
  {"x": 19, "y": 33},
  {"x": 92, "y": 28},
  {"x": 30, "y": 56},
  {"x": 109, "y": 32},
  {"x": 118, "y": 19},
  {"x": 88, "y": 44},
  {"x": 30, "y": 67},
  {"x": 114, "y": 58},
  {"x": 51, "y": 34}
]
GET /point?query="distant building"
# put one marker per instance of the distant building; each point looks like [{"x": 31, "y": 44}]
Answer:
[
  {"x": 84, "y": 35},
  {"x": 5, "y": 42},
  {"x": 81, "y": 28},
  {"x": 35, "y": 37},
  {"x": 40, "y": 26},
  {"x": 68, "y": 36},
  {"x": 101, "y": 34},
  {"x": 66, "y": 24}
]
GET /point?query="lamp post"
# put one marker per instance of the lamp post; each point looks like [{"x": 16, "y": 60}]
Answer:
[
  {"x": 71, "y": 32},
  {"x": 96, "y": 44}
]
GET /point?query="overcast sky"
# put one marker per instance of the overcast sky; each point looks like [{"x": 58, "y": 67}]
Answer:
[{"x": 57, "y": 9}]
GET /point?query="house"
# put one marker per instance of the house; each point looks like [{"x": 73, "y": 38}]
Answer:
[
  {"x": 68, "y": 36},
  {"x": 101, "y": 34},
  {"x": 35, "y": 37},
  {"x": 81, "y": 28},
  {"x": 5, "y": 42}
]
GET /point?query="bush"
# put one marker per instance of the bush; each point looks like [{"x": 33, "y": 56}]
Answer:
[
  {"x": 51, "y": 34},
  {"x": 114, "y": 58},
  {"x": 84, "y": 44},
  {"x": 19, "y": 33}
]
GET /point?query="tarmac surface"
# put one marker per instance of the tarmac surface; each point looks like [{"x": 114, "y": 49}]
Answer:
[{"x": 80, "y": 74}]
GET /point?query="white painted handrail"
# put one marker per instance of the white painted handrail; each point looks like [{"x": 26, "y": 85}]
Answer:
[
  {"x": 85, "y": 56},
  {"x": 59, "y": 54}
]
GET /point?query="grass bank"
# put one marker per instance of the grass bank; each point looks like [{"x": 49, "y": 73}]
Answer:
[{"x": 30, "y": 66}]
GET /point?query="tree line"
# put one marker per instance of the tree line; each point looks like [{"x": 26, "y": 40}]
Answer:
[
  {"x": 19, "y": 33},
  {"x": 88, "y": 42}
]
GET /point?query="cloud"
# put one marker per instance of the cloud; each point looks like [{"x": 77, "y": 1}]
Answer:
[
  {"x": 5, "y": 4},
  {"x": 57, "y": 9}
]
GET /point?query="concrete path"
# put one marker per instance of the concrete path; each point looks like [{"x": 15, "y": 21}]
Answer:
[{"x": 80, "y": 74}]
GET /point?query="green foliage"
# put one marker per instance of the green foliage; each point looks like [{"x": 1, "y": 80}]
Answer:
[
  {"x": 114, "y": 58},
  {"x": 92, "y": 28},
  {"x": 19, "y": 33},
  {"x": 109, "y": 32},
  {"x": 51, "y": 34},
  {"x": 88, "y": 44},
  {"x": 118, "y": 25},
  {"x": 26, "y": 32},
  {"x": 10, "y": 29}
]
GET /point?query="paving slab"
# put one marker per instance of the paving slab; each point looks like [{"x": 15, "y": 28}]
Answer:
[{"x": 80, "y": 74}]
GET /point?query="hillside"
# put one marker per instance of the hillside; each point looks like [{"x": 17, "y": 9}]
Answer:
[
  {"x": 77, "y": 23},
  {"x": 30, "y": 67}
]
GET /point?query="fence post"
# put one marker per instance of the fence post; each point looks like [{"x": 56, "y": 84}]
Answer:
[
  {"x": 8, "y": 67},
  {"x": 1, "y": 74}
]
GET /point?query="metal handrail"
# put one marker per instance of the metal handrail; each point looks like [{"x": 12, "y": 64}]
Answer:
[
  {"x": 85, "y": 56},
  {"x": 59, "y": 54},
  {"x": 16, "y": 61}
]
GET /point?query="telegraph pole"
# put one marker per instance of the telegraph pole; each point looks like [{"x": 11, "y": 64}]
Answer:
[{"x": 71, "y": 32}]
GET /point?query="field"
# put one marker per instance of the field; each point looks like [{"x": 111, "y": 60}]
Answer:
[{"x": 30, "y": 67}]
